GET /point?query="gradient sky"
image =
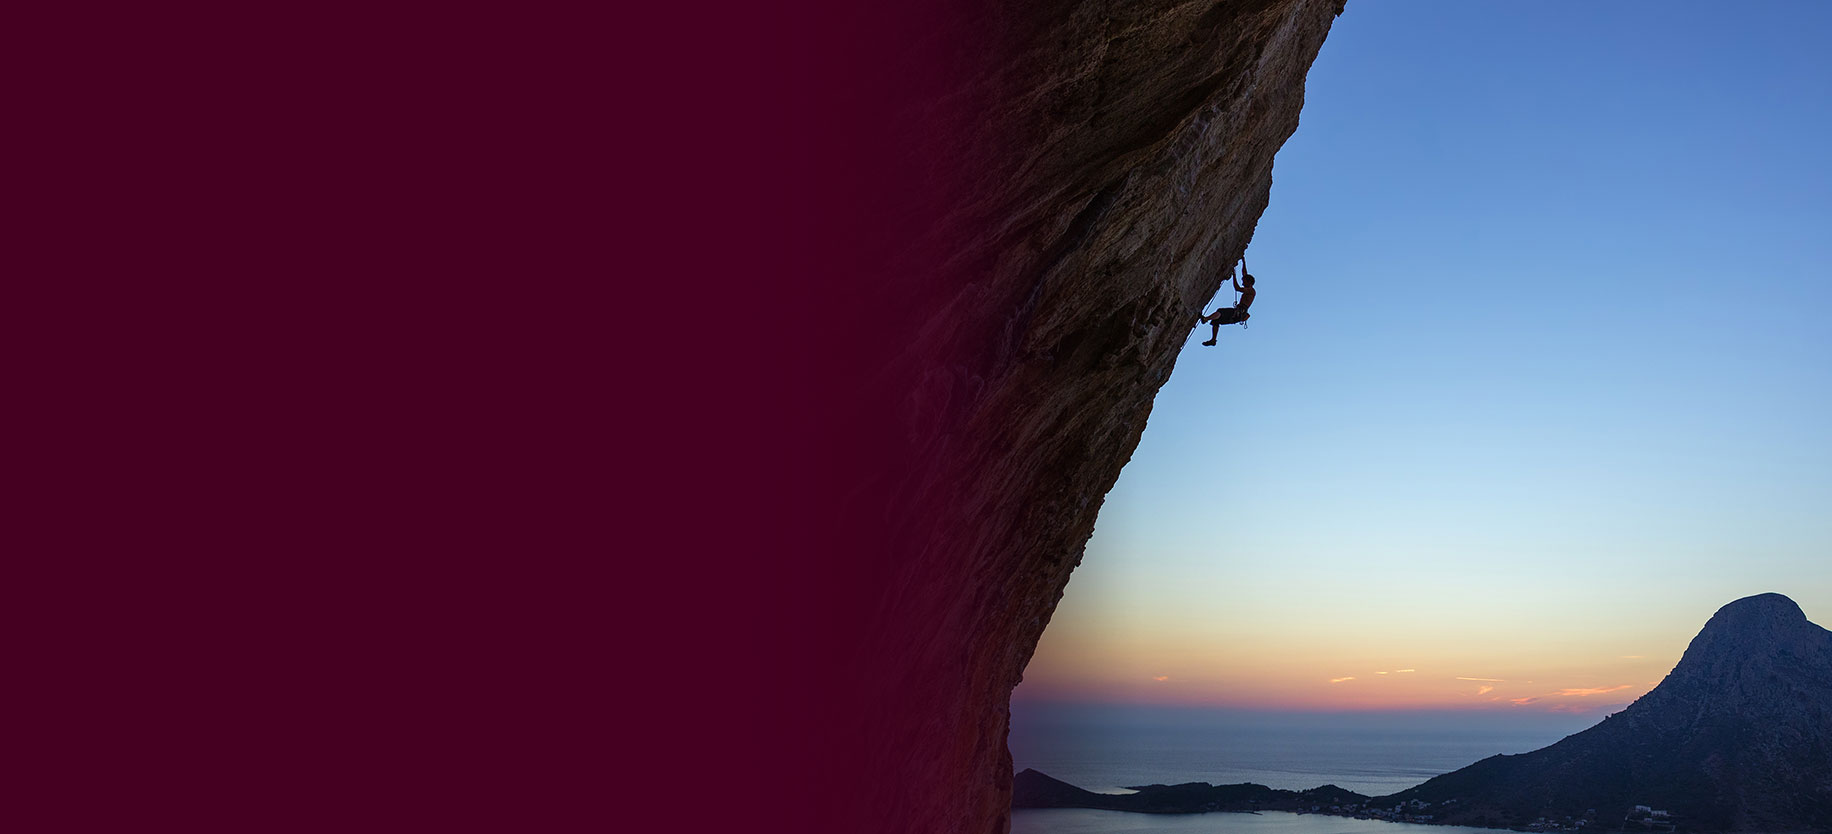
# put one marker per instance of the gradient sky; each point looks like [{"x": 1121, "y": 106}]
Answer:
[{"x": 1538, "y": 376}]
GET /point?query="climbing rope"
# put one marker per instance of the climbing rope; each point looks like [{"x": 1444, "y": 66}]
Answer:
[{"x": 1243, "y": 272}]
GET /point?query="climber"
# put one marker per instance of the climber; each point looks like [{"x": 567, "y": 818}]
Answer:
[{"x": 1232, "y": 315}]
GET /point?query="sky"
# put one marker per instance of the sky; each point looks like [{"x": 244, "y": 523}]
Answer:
[{"x": 1537, "y": 378}]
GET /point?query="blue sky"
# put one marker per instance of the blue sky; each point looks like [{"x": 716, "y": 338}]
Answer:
[{"x": 1537, "y": 377}]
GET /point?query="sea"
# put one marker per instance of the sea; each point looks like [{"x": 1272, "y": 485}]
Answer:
[
  {"x": 1085, "y": 821},
  {"x": 1105, "y": 749}
]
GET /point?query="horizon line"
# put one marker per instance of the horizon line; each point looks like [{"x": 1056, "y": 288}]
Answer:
[{"x": 1501, "y": 708}]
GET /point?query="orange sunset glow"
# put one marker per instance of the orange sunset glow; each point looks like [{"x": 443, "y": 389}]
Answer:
[
  {"x": 1294, "y": 686},
  {"x": 1176, "y": 653}
]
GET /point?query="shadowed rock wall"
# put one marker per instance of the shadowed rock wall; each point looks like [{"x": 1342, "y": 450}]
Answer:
[{"x": 1063, "y": 186}]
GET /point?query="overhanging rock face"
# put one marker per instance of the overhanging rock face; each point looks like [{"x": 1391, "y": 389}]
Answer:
[{"x": 1085, "y": 174}]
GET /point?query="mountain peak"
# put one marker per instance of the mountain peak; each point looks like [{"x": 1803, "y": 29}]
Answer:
[
  {"x": 1751, "y": 633},
  {"x": 1752, "y": 621},
  {"x": 1761, "y": 607}
]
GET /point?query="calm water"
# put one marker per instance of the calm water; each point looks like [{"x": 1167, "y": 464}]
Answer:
[
  {"x": 1083, "y": 821},
  {"x": 1102, "y": 749}
]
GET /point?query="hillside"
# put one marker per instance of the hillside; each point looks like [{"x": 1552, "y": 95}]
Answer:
[{"x": 1737, "y": 738}]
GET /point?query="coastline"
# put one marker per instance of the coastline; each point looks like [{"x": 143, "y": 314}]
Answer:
[
  {"x": 1096, "y": 821},
  {"x": 1035, "y": 790}
]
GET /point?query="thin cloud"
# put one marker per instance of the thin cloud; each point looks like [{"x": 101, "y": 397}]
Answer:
[
  {"x": 1404, "y": 671},
  {"x": 1484, "y": 689},
  {"x": 1380, "y": 673},
  {"x": 1339, "y": 680},
  {"x": 1490, "y": 680},
  {"x": 1161, "y": 678},
  {"x": 1582, "y": 693},
  {"x": 1632, "y": 656},
  {"x": 1521, "y": 702},
  {"x": 1584, "y": 709}
]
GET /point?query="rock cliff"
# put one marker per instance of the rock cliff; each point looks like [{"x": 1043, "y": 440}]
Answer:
[{"x": 1069, "y": 184}]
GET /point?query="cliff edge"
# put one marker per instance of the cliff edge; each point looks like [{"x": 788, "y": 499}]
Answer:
[{"x": 1069, "y": 184}]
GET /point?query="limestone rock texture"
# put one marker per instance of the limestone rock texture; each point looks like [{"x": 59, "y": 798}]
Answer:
[{"x": 1071, "y": 183}]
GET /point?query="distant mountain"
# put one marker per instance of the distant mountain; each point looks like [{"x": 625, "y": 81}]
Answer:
[
  {"x": 1034, "y": 789},
  {"x": 1737, "y": 738}
]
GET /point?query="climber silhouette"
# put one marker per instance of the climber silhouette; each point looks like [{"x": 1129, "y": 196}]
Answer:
[{"x": 1232, "y": 315}]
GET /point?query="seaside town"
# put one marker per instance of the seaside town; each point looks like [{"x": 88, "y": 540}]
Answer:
[{"x": 1639, "y": 818}]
